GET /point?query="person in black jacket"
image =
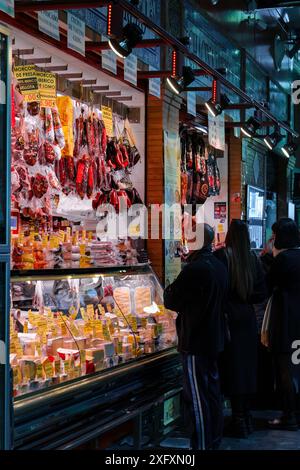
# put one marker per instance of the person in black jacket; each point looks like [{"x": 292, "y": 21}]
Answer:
[
  {"x": 284, "y": 324},
  {"x": 239, "y": 361},
  {"x": 198, "y": 296}
]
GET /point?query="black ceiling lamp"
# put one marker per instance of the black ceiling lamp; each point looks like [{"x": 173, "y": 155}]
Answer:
[
  {"x": 250, "y": 128},
  {"x": 216, "y": 104},
  {"x": 178, "y": 85},
  {"x": 216, "y": 107},
  {"x": 273, "y": 139},
  {"x": 132, "y": 34},
  {"x": 289, "y": 149}
]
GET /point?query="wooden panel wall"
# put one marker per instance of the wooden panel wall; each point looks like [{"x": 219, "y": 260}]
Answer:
[
  {"x": 235, "y": 176},
  {"x": 161, "y": 114}
]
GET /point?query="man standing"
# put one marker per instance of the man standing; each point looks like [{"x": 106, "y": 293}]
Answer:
[{"x": 198, "y": 296}]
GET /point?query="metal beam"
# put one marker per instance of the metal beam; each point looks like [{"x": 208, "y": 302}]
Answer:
[
  {"x": 57, "y": 5},
  {"x": 99, "y": 88},
  {"x": 56, "y": 68},
  {"x": 86, "y": 82},
  {"x": 176, "y": 44},
  {"x": 39, "y": 60},
  {"x": 103, "y": 45},
  {"x": 17, "y": 52},
  {"x": 124, "y": 98},
  {"x": 67, "y": 76},
  {"x": 198, "y": 88}
]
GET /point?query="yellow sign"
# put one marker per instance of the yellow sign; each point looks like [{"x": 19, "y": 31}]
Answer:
[
  {"x": 28, "y": 83},
  {"x": 108, "y": 120},
  {"x": 47, "y": 89}
]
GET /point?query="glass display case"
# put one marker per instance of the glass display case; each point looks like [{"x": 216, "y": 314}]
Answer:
[{"x": 70, "y": 324}]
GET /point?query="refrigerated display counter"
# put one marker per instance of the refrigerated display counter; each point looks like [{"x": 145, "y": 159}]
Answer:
[{"x": 89, "y": 350}]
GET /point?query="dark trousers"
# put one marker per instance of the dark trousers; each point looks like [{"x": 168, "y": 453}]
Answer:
[
  {"x": 285, "y": 386},
  {"x": 203, "y": 401},
  {"x": 240, "y": 405}
]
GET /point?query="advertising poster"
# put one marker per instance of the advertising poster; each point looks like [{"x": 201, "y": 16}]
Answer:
[
  {"x": 28, "y": 83},
  {"x": 47, "y": 89},
  {"x": 109, "y": 59},
  {"x": 216, "y": 131},
  {"x": 220, "y": 212},
  {"x": 130, "y": 69},
  {"x": 154, "y": 84},
  {"x": 172, "y": 226}
]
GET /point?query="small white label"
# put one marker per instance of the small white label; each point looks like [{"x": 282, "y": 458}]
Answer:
[
  {"x": 130, "y": 69},
  {"x": 48, "y": 23},
  {"x": 154, "y": 84},
  {"x": 2, "y": 353},
  {"x": 191, "y": 102},
  {"x": 76, "y": 34},
  {"x": 109, "y": 59}
]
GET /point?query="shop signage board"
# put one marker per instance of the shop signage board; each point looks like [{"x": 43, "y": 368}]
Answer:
[
  {"x": 49, "y": 23},
  {"x": 8, "y": 6},
  {"x": 216, "y": 131},
  {"x": 107, "y": 119},
  {"x": 76, "y": 34},
  {"x": 28, "y": 83},
  {"x": 130, "y": 69},
  {"x": 172, "y": 224},
  {"x": 109, "y": 59},
  {"x": 191, "y": 102},
  {"x": 47, "y": 89},
  {"x": 154, "y": 84}
]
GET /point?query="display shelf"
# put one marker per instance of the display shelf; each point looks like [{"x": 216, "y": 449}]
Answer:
[{"x": 64, "y": 272}]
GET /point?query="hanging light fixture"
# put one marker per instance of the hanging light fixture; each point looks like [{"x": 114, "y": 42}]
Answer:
[
  {"x": 250, "y": 128},
  {"x": 178, "y": 85},
  {"x": 217, "y": 102},
  {"x": 216, "y": 108},
  {"x": 289, "y": 149},
  {"x": 272, "y": 140},
  {"x": 132, "y": 34}
]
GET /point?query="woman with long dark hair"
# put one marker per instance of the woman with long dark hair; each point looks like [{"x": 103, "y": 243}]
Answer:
[{"x": 239, "y": 361}]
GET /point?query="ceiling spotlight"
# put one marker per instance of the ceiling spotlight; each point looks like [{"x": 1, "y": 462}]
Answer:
[
  {"x": 180, "y": 84},
  {"x": 132, "y": 35},
  {"x": 250, "y": 128},
  {"x": 214, "y": 107},
  {"x": 289, "y": 149},
  {"x": 272, "y": 140}
]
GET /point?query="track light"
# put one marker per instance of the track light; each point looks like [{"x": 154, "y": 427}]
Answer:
[
  {"x": 132, "y": 35},
  {"x": 180, "y": 84},
  {"x": 216, "y": 107},
  {"x": 289, "y": 149},
  {"x": 250, "y": 128},
  {"x": 272, "y": 140}
]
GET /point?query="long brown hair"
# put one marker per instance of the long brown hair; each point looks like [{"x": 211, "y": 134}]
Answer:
[{"x": 241, "y": 262}]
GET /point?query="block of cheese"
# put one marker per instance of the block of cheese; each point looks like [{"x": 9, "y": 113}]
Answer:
[
  {"x": 53, "y": 345},
  {"x": 80, "y": 343},
  {"x": 96, "y": 356},
  {"x": 142, "y": 298},
  {"x": 122, "y": 298},
  {"x": 28, "y": 369},
  {"x": 109, "y": 349}
]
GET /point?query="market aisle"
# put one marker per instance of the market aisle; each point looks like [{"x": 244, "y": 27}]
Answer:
[{"x": 261, "y": 439}]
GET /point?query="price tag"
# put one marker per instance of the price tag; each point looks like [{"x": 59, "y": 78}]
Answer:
[
  {"x": 88, "y": 330},
  {"x": 17, "y": 375},
  {"x": 106, "y": 333},
  {"x": 73, "y": 312},
  {"x": 63, "y": 329},
  {"x": 73, "y": 328},
  {"x": 48, "y": 368},
  {"x": 39, "y": 371},
  {"x": 67, "y": 366},
  {"x": 19, "y": 351},
  {"x": 82, "y": 356},
  {"x": 101, "y": 309},
  {"x": 25, "y": 328},
  {"x": 98, "y": 330},
  {"x": 84, "y": 314},
  {"x": 90, "y": 311},
  {"x": 57, "y": 367}
]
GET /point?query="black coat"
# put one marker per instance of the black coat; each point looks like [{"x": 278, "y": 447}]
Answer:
[
  {"x": 197, "y": 295},
  {"x": 284, "y": 280},
  {"x": 239, "y": 361}
]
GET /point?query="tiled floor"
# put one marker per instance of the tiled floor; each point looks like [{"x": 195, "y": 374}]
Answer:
[{"x": 261, "y": 439}]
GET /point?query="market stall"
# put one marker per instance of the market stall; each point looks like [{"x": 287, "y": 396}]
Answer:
[{"x": 86, "y": 310}]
